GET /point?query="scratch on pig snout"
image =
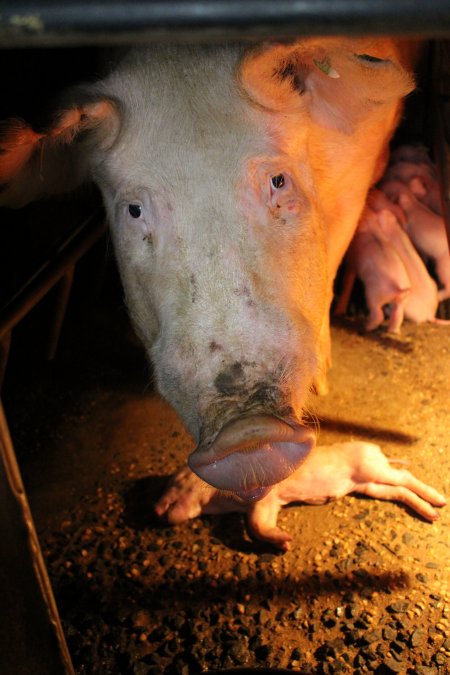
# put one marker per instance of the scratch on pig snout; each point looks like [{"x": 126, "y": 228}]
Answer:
[
  {"x": 194, "y": 288},
  {"x": 148, "y": 238}
]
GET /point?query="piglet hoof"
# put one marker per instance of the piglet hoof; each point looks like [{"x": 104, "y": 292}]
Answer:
[
  {"x": 262, "y": 522},
  {"x": 185, "y": 497}
]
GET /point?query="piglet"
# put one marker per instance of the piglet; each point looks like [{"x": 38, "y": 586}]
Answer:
[
  {"x": 372, "y": 259},
  {"x": 411, "y": 152},
  {"x": 328, "y": 473},
  {"x": 427, "y": 231},
  {"x": 404, "y": 171},
  {"x": 422, "y": 301},
  {"x": 393, "y": 188},
  {"x": 420, "y": 178},
  {"x": 378, "y": 201},
  {"x": 427, "y": 192}
]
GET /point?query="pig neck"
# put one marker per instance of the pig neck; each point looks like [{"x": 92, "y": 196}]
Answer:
[{"x": 346, "y": 167}]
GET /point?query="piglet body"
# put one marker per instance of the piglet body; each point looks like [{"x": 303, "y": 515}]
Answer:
[
  {"x": 422, "y": 301},
  {"x": 373, "y": 259},
  {"x": 411, "y": 152},
  {"x": 330, "y": 472},
  {"x": 427, "y": 231},
  {"x": 420, "y": 178},
  {"x": 404, "y": 171},
  {"x": 378, "y": 201},
  {"x": 427, "y": 192}
]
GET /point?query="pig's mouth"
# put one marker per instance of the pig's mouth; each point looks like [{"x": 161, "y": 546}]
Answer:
[{"x": 251, "y": 454}]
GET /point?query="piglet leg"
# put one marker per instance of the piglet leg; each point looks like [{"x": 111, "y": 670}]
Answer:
[
  {"x": 187, "y": 496},
  {"x": 328, "y": 473},
  {"x": 262, "y": 522},
  {"x": 347, "y": 287},
  {"x": 374, "y": 475}
]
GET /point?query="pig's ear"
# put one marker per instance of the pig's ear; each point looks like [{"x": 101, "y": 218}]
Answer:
[
  {"x": 36, "y": 164},
  {"x": 336, "y": 83}
]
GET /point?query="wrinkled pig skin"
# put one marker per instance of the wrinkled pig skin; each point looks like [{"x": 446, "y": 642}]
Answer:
[
  {"x": 329, "y": 472},
  {"x": 233, "y": 178}
]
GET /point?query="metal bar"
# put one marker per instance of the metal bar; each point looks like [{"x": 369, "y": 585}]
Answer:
[
  {"x": 31, "y": 637},
  {"x": 34, "y": 23},
  {"x": 63, "y": 290},
  {"x": 5, "y": 346},
  {"x": 440, "y": 109},
  {"x": 53, "y": 273}
]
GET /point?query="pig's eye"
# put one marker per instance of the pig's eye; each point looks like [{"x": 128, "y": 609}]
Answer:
[
  {"x": 278, "y": 181},
  {"x": 135, "y": 210},
  {"x": 368, "y": 58}
]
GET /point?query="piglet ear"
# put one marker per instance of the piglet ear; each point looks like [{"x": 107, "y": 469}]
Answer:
[
  {"x": 36, "y": 164},
  {"x": 335, "y": 82}
]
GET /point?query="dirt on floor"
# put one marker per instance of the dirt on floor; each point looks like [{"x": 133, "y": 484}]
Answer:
[{"x": 365, "y": 585}]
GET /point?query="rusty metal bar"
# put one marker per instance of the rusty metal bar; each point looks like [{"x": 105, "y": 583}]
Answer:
[
  {"x": 31, "y": 637},
  {"x": 63, "y": 290},
  {"x": 81, "y": 22},
  {"x": 440, "y": 105},
  {"x": 5, "y": 345}
]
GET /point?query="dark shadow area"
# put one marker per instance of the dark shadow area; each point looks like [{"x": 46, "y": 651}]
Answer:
[
  {"x": 139, "y": 498},
  {"x": 355, "y": 325},
  {"x": 31, "y": 87},
  {"x": 368, "y": 432},
  {"x": 230, "y": 528},
  {"x": 97, "y": 353},
  {"x": 180, "y": 592}
]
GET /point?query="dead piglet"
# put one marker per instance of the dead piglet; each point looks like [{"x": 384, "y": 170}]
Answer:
[
  {"x": 373, "y": 259},
  {"x": 330, "y": 472}
]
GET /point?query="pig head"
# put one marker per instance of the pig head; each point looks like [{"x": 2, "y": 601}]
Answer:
[{"x": 233, "y": 179}]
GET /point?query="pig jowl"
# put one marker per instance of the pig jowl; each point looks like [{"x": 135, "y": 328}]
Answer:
[{"x": 233, "y": 178}]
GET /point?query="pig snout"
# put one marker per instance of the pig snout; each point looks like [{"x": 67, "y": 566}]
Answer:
[{"x": 251, "y": 454}]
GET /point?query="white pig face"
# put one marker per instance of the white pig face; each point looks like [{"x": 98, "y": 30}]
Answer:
[
  {"x": 218, "y": 238},
  {"x": 233, "y": 179}
]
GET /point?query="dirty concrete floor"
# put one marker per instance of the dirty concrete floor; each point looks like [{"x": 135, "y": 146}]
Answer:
[{"x": 365, "y": 586}]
